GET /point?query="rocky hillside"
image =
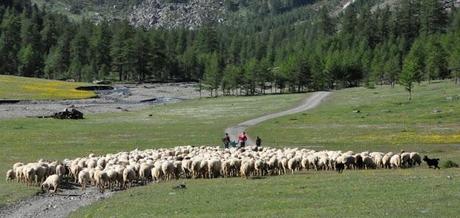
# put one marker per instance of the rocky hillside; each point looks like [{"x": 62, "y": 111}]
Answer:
[
  {"x": 173, "y": 13},
  {"x": 191, "y": 13}
]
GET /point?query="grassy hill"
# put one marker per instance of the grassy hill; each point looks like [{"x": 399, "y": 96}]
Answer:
[
  {"x": 370, "y": 119},
  {"x": 23, "y": 88}
]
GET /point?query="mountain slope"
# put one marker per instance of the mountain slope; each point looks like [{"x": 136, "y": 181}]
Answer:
[{"x": 174, "y": 13}]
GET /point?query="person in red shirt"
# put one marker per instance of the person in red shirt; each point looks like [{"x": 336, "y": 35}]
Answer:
[{"x": 242, "y": 139}]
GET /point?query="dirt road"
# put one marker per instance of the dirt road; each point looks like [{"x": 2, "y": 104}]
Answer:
[
  {"x": 311, "y": 102},
  {"x": 56, "y": 205}
]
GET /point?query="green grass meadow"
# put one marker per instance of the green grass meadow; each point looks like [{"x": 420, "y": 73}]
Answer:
[
  {"x": 374, "y": 193},
  {"x": 194, "y": 122},
  {"x": 386, "y": 121}
]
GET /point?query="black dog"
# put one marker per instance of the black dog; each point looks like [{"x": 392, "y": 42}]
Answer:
[
  {"x": 339, "y": 167},
  {"x": 432, "y": 162}
]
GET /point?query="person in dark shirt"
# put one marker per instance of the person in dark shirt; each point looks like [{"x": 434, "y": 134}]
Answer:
[
  {"x": 226, "y": 140},
  {"x": 258, "y": 141}
]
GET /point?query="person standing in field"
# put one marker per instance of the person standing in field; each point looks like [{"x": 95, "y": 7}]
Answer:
[
  {"x": 226, "y": 140},
  {"x": 242, "y": 139},
  {"x": 258, "y": 141}
]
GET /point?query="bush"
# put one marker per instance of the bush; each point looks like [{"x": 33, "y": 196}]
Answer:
[{"x": 449, "y": 164}]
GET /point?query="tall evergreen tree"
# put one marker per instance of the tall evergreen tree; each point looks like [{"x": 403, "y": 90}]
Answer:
[
  {"x": 9, "y": 43},
  {"x": 212, "y": 74}
]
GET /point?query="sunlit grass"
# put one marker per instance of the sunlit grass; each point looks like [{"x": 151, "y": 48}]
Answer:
[{"x": 22, "y": 88}]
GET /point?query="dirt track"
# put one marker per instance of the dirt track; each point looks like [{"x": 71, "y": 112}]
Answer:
[
  {"x": 311, "y": 102},
  {"x": 56, "y": 205}
]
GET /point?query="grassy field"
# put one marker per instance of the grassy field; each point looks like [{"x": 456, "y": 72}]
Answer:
[
  {"x": 376, "y": 193},
  {"x": 195, "y": 122},
  {"x": 430, "y": 124},
  {"x": 386, "y": 121},
  {"x": 23, "y": 88}
]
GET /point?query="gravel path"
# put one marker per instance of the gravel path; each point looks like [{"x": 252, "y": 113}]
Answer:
[
  {"x": 311, "y": 102},
  {"x": 124, "y": 97},
  {"x": 56, "y": 205}
]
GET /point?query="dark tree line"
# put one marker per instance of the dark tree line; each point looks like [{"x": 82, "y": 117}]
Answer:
[{"x": 294, "y": 51}]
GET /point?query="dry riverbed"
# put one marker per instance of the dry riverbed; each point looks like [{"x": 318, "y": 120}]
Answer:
[{"x": 124, "y": 97}]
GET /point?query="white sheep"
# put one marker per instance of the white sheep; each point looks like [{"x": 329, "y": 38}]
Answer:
[
  {"x": 83, "y": 178},
  {"x": 52, "y": 182},
  {"x": 10, "y": 175},
  {"x": 129, "y": 175},
  {"x": 395, "y": 161},
  {"x": 167, "y": 168}
]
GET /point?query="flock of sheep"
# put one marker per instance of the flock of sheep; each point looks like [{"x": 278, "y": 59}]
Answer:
[{"x": 122, "y": 170}]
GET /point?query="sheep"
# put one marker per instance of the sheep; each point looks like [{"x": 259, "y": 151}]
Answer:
[
  {"x": 339, "y": 167},
  {"x": 19, "y": 174},
  {"x": 129, "y": 175},
  {"x": 177, "y": 169},
  {"x": 246, "y": 169},
  {"x": 10, "y": 175},
  {"x": 157, "y": 173},
  {"x": 113, "y": 178},
  {"x": 415, "y": 158},
  {"x": 74, "y": 170},
  {"x": 16, "y": 165},
  {"x": 368, "y": 162},
  {"x": 196, "y": 167},
  {"x": 187, "y": 167},
  {"x": 214, "y": 168},
  {"x": 378, "y": 159},
  {"x": 293, "y": 164},
  {"x": 52, "y": 182},
  {"x": 386, "y": 160},
  {"x": 405, "y": 159},
  {"x": 203, "y": 169},
  {"x": 120, "y": 170},
  {"x": 83, "y": 178},
  {"x": 348, "y": 160},
  {"x": 40, "y": 174},
  {"x": 226, "y": 168},
  {"x": 91, "y": 163},
  {"x": 145, "y": 172},
  {"x": 395, "y": 161},
  {"x": 101, "y": 179},
  {"x": 29, "y": 174},
  {"x": 359, "y": 163},
  {"x": 167, "y": 168},
  {"x": 60, "y": 170},
  {"x": 259, "y": 167}
]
